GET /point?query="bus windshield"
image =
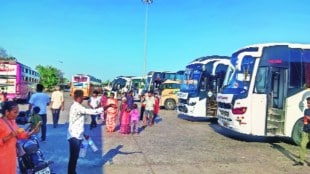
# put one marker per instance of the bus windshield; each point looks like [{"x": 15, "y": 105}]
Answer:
[
  {"x": 147, "y": 84},
  {"x": 80, "y": 79},
  {"x": 191, "y": 81},
  {"x": 238, "y": 77}
]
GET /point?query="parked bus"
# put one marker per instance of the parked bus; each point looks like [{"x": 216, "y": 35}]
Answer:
[
  {"x": 85, "y": 82},
  {"x": 123, "y": 84},
  {"x": 137, "y": 85},
  {"x": 153, "y": 80},
  {"x": 202, "y": 79},
  {"x": 265, "y": 90},
  {"x": 168, "y": 94},
  {"x": 179, "y": 76},
  {"x": 167, "y": 75},
  {"x": 17, "y": 80}
]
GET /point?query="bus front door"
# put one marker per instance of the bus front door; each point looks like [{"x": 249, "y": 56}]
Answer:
[{"x": 276, "y": 101}]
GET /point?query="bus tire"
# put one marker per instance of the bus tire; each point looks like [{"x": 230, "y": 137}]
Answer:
[
  {"x": 170, "y": 104},
  {"x": 297, "y": 130}
]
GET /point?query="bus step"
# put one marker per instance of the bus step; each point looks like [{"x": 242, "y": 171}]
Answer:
[
  {"x": 271, "y": 127},
  {"x": 275, "y": 128},
  {"x": 276, "y": 121}
]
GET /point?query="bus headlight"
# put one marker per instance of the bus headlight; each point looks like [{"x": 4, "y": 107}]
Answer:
[{"x": 210, "y": 93}]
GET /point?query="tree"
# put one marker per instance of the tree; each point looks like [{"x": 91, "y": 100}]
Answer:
[
  {"x": 5, "y": 56},
  {"x": 3, "y": 53},
  {"x": 50, "y": 76},
  {"x": 106, "y": 83}
]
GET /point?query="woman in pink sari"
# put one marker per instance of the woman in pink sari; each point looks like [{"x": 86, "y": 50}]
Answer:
[
  {"x": 111, "y": 110},
  {"x": 124, "y": 117}
]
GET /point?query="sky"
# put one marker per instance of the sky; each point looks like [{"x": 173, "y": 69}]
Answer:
[{"x": 106, "y": 38}]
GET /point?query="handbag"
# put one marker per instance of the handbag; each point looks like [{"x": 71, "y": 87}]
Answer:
[{"x": 19, "y": 149}]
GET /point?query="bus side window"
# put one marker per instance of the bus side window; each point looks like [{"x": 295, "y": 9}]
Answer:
[{"x": 260, "y": 81}]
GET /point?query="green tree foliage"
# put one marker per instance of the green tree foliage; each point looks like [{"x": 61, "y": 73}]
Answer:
[
  {"x": 50, "y": 76},
  {"x": 106, "y": 83},
  {"x": 3, "y": 53},
  {"x": 5, "y": 56}
]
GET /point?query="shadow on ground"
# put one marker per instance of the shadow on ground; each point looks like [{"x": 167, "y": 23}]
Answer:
[
  {"x": 108, "y": 157},
  {"x": 56, "y": 149}
]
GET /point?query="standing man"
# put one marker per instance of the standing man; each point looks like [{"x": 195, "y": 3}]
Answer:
[
  {"x": 305, "y": 136},
  {"x": 57, "y": 104},
  {"x": 41, "y": 100},
  {"x": 75, "y": 133},
  {"x": 94, "y": 102},
  {"x": 149, "y": 103}
]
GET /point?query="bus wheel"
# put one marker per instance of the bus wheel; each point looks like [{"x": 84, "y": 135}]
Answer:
[
  {"x": 297, "y": 130},
  {"x": 170, "y": 104}
]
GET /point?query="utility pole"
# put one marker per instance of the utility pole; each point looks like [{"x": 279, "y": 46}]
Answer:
[{"x": 147, "y": 2}]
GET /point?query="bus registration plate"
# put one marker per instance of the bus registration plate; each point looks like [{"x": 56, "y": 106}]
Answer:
[
  {"x": 44, "y": 171},
  {"x": 182, "y": 95}
]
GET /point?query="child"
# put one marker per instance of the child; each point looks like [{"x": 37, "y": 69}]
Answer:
[
  {"x": 134, "y": 119},
  {"x": 76, "y": 128},
  {"x": 36, "y": 119}
]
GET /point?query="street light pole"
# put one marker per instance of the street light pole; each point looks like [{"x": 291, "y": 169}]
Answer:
[
  {"x": 61, "y": 73},
  {"x": 147, "y": 2}
]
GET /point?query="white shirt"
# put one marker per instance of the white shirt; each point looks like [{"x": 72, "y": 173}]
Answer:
[
  {"x": 94, "y": 101},
  {"x": 76, "y": 119},
  {"x": 57, "y": 99},
  {"x": 149, "y": 103},
  {"x": 41, "y": 100}
]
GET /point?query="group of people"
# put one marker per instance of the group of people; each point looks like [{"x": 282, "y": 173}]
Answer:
[
  {"x": 10, "y": 131},
  {"x": 127, "y": 111},
  {"x": 107, "y": 108},
  {"x": 43, "y": 101}
]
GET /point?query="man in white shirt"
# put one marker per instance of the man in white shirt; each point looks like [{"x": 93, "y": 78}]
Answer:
[
  {"x": 94, "y": 102},
  {"x": 41, "y": 100},
  {"x": 75, "y": 133},
  {"x": 149, "y": 103},
  {"x": 57, "y": 104}
]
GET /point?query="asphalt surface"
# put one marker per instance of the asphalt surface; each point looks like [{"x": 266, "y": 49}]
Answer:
[{"x": 173, "y": 145}]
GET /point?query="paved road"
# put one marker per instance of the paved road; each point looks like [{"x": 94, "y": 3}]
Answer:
[{"x": 173, "y": 146}]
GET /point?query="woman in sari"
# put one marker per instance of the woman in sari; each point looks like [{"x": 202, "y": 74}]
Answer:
[
  {"x": 111, "y": 110},
  {"x": 9, "y": 133},
  {"x": 124, "y": 117}
]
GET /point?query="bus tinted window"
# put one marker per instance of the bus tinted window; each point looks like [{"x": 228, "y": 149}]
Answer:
[
  {"x": 76, "y": 79},
  {"x": 84, "y": 79}
]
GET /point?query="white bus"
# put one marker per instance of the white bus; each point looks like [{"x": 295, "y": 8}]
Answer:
[
  {"x": 123, "y": 84},
  {"x": 202, "y": 79},
  {"x": 265, "y": 90},
  {"x": 136, "y": 85}
]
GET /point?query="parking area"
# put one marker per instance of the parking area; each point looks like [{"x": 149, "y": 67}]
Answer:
[{"x": 173, "y": 145}]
